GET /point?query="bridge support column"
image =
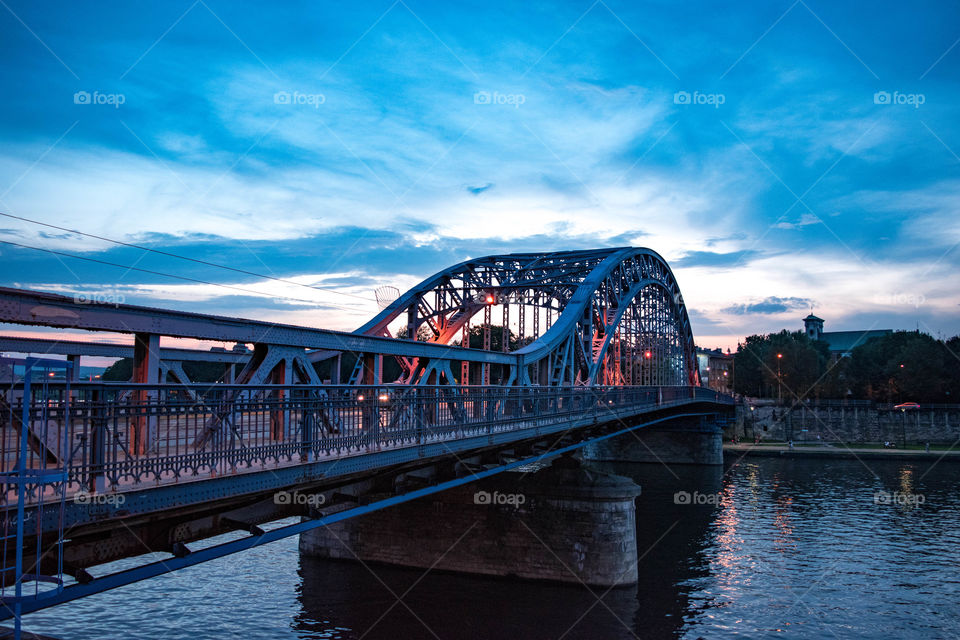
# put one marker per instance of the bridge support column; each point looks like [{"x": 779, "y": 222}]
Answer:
[
  {"x": 75, "y": 370},
  {"x": 684, "y": 441},
  {"x": 280, "y": 416},
  {"x": 146, "y": 370},
  {"x": 562, "y": 524}
]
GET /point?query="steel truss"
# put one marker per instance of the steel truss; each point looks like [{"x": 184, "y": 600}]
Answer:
[
  {"x": 608, "y": 316},
  {"x": 605, "y": 317}
]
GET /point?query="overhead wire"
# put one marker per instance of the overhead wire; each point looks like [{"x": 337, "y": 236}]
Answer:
[
  {"x": 169, "y": 275},
  {"x": 182, "y": 257}
]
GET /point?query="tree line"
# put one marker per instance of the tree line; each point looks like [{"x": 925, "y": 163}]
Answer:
[{"x": 904, "y": 366}]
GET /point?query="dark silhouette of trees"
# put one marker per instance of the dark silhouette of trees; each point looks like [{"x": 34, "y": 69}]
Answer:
[
  {"x": 799, "y": 362},
  {"x": 904, "y": 366},
  {"x": 122, "y": 371}
]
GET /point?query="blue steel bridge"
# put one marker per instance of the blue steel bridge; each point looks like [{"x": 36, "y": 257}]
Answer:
[{"x": 488, "y": 365}]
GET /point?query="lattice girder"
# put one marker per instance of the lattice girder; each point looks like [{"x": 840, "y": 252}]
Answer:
[{"x": 603, "y": 310}]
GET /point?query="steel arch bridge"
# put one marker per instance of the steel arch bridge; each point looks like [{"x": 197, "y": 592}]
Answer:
[
  {"x": 604, "y": 316},
  {"x": 494, "y": 363}
]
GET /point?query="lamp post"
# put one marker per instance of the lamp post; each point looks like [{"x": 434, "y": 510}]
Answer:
[
  {"x": 779, "y": 381},
  {"x": 903, "y": 428},
  {"x": 899, "y": 393}
]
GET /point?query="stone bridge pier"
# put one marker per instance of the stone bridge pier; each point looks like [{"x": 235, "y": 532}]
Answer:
[
  {"x": 689, "y": 440},
  {"x": 565, "y": 523}
]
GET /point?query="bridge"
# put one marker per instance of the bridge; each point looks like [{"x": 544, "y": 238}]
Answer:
[{"x": 491, "y": 365}]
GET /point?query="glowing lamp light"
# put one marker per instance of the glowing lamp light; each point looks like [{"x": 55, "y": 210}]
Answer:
[
  {"x": 647, "y": 355},
  {"x": 384, "y": 397},
  {"x": 360, "y": 398},
  {"x": 779, "y": 355},
  {"x": 490, "y": 298},
  {"x": 51, "y": 374}
]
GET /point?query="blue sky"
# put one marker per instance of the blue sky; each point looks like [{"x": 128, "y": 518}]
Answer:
[{"x": 780, "y": 155}]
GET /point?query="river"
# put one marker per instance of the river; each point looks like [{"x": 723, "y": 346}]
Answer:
[{"x": 763, "y": 547}]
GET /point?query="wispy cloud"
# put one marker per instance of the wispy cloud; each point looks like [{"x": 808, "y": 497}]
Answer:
[
  {"x": 770, "y": 305},
  {"x": 715, "y": 259}
]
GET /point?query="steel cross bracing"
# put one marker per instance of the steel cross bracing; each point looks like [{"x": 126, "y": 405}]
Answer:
[
  {"x": 608, "y": 316},
  {"x": 611, "y": 317},
  {"x": 581, "y": 298}
]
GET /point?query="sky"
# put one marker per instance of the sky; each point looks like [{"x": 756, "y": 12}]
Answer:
[{"x": 784, "y": 156}]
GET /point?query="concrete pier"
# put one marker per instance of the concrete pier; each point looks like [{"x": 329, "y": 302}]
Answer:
[
  {"x": 565, "y": 523},
  {"x": 688, "y": 441}
]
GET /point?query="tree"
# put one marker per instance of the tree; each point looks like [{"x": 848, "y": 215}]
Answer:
[
  {"x": 122, "y": 371},
  {"x": 952, "y": 378},
  {"x": 747, "y": 363},
  {"x": 905, "y": 366},
  {"x": 799, "y": 362},
  {"x": 119, "y": 371}
]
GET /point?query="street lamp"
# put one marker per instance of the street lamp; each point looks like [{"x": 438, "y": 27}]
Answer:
[{"x": 779, "y": 380}]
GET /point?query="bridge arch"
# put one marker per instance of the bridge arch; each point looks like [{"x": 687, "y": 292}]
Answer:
[{"x": 604, "y": 316}]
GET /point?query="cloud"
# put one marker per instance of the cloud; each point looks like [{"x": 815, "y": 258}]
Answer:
[
  {"x": 805, "y": 220},
  {"x": 712, "y": 242},
  {"x": 714, "y": 259},
  {"x": 478, "y": 190},
  {"x": 399, "y": 172},
  {"x": 772, "y": 304}
]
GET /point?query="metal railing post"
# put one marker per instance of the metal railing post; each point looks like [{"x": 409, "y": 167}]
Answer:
[
  {"x": 98, "y": 442},
  {"x": 307, "y": 433}
]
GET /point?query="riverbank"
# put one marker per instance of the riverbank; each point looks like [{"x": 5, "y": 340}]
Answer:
[{"x": 837, "y": 451}]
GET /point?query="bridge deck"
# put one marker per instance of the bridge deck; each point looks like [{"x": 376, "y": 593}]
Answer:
[{"x": 93, "y": 440}]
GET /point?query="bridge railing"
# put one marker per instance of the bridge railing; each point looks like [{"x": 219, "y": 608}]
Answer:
[{"x": 113, "y": 436}]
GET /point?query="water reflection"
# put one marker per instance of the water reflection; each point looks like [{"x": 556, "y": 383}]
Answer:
[
  {"x": 768, "y": 548},
  {"x": 343, "y": 600}
]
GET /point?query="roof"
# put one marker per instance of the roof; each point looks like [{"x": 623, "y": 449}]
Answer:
[
  {"x": 844, "y": 341},
  {"x": 813, "y": 317}
]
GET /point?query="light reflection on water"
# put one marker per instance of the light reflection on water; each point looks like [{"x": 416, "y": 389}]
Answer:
[{"x": 787, "y": 548}]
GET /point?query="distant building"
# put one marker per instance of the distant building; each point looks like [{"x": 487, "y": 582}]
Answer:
[
  {"x": 841, "y": 343},
  {"x": 716, "y": 369}
]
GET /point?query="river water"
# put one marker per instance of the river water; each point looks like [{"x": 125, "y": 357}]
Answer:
[{"x": 762, "y": 548}]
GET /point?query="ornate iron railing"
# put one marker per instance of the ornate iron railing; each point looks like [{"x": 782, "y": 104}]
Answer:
[{"x": 92, "y": 429}]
